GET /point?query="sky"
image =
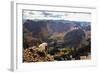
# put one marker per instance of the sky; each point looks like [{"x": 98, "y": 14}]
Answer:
[{"x": 52, "y": 15}]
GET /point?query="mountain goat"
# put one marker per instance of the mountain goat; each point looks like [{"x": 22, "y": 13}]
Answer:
[{"x": 43, "y": 47}]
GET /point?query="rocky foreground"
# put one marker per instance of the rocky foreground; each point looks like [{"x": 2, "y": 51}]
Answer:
[{"x": 33, "y": 55}]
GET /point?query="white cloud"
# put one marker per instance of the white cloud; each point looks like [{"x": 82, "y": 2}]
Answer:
[{"x": 47, "y": 15}]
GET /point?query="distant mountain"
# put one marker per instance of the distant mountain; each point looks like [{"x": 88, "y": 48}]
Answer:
[
  {"x": 55, "y": 25},
  {"x": 59, "y": 25},
  {"x": 45, "y": 28},
  {"x": 36, "y": 27},
  {"x": 84, "y": 25},
  {"x": 71, "y": 32}
]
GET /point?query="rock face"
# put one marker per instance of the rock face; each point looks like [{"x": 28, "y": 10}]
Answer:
[
  {"x": 33, "y": 55},
  {"x": 74, "y": 37}
]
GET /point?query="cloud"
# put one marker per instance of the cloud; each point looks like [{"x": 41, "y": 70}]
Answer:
[{"x": 48, "y": 15}]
